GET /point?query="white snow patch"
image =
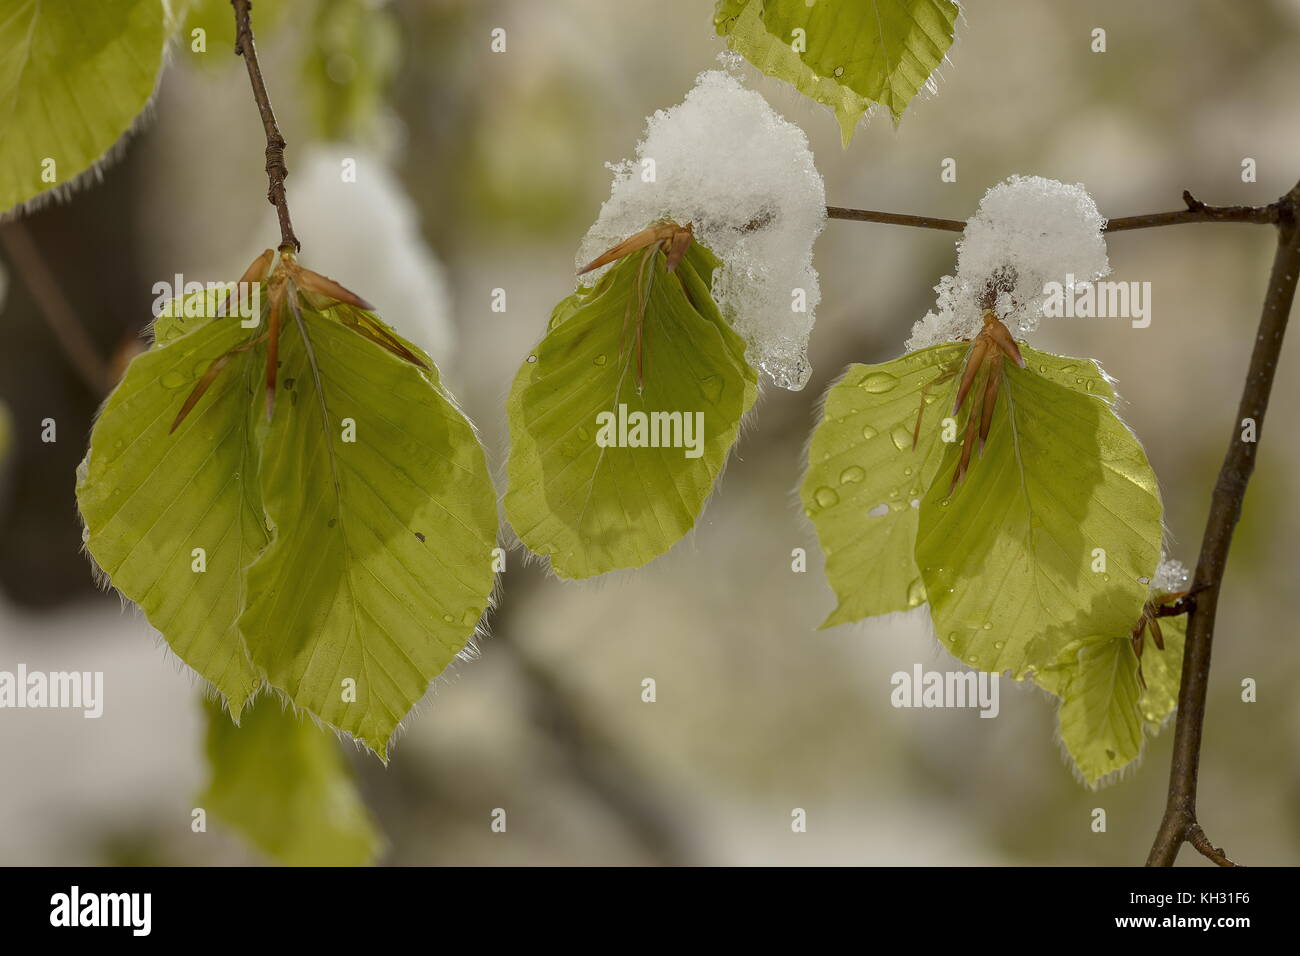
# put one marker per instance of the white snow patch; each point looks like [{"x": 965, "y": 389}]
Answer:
[
  {"x": 726, "y": 162},
  {"x": 1027, "y": 232},
  {"x": 1170, "y": 576}
]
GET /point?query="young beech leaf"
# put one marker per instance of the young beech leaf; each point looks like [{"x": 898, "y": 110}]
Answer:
[
  {"x": 846, "y": 55},
  {"x": 345, "y": 543},
  {"x": 383, "y": 519},
  {"x": 73, "y": 78},
  {"x": 149, "y": 497},
  {"x": 641, "y": 341},
  {"x": 865, "y": 473},
  {"x": 1054, "y": 531},
  {"x": 1099, "y": 721},
  {"x": 1162, "y": 671},
  {"x": 280, "y": 781},
  {"x": 1105, "y": 711}
]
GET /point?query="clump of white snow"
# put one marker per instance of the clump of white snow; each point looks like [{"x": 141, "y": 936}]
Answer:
[
  {"x": 1027, "y": 232},
  {"x": 726, "y": 162},
  {"x": 1170, "y": 576}
]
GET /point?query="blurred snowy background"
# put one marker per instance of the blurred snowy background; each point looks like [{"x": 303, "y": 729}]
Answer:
[{"x": 479, "y": 170}]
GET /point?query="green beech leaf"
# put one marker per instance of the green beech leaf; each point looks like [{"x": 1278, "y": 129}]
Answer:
[
  {"x": 1099, "y": 720},
  {"x": 345, "y": 544},
  {"x": 281, "y": 782},
  {"x": 379, "y": 566},
  {"x": 73, "y": 78},
  {"x": 1013, "y": 560},
  {"x": 855, "y": 52},
  {"x": 863, "y": 475},
  {"x": 593, "y": 509},
  {"x": 1162, "y": 671},
  {"x": 1105, "y": 713},
  {"x": 149, "y": 498}
]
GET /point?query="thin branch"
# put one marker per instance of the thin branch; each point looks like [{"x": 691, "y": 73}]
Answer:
[
  {"x": 1182, "y": 606},
  {"x": 1197, "y": 838},
  {"x": 276, "y": 171},
  {"x": 1196, "y": 211},
  {"x": 55, "y": 308},
  {"x": 895, "y": 219},
  {"x": 1180, "y": 824}
]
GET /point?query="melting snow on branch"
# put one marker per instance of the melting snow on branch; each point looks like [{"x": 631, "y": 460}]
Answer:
[
  {"x": 1028, "y": 231},
  {"x": 724, "y": 161}
]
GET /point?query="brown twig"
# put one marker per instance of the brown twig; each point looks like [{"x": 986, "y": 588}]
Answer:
[
  {"x": 1197, "y": 838},
  {"x": 1196, "y": 211},
  {"x": 55, "y": 308},
  {"x": 1183, "y": 605},
  {"x": 276, "y": 171},
  {"x": 895, "y": 219},
  {"x": 1180, "y": 824}
]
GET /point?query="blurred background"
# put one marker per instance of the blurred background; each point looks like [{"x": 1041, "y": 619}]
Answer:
[{"x": 479, "y": 170}]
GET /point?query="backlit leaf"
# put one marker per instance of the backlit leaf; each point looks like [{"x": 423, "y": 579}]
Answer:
[
  {"x": 854, "y": 52},
  {"x": 149, "y": 499},
  {"x": 340, "y": 551},
  {"x": 73, "y": 78},
  {"x": 1053, "y": 534},
  {"x": 864, "y": 475},
  {"x": 592, "y": 509},
  {"x": 1105, "y": 713},
  {"x": 380, "y": 564},
  {"x": 281, "y": 782}
]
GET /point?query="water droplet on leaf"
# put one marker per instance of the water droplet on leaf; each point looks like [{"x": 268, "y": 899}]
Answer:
[
  {"x": 915, "y": 593},
  {"x": 878, "y": 382}
]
